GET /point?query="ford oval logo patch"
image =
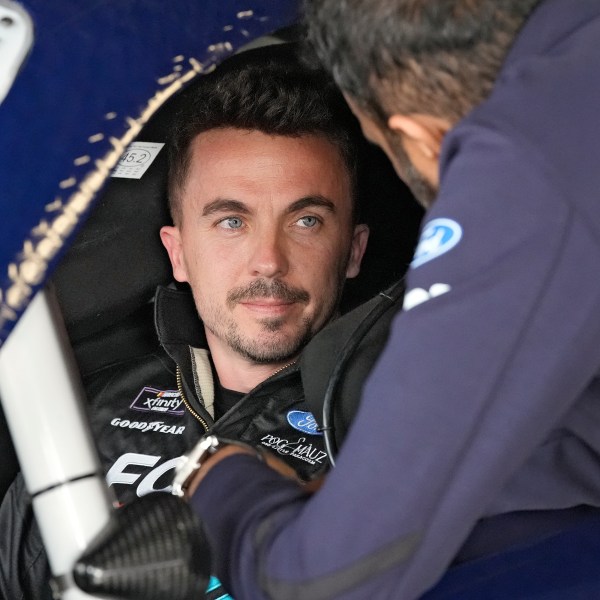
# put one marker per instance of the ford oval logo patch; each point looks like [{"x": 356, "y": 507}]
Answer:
[
  {"x": 303, "y": 421},
  {"x": 439, "y": 236}
]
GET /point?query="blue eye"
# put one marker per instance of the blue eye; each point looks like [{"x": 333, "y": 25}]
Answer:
[
  {"x": 307, "y": 221},
  {"x": 231, "y": 223}
]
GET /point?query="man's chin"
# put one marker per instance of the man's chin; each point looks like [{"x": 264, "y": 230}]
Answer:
[
  {"x": 270, "y": 347},
  {"x": 272, "y": 325},
  {"x": 265, "y": 356}
]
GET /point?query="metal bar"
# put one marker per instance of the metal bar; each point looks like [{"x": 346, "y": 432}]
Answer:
[{"x": 42, "y": 399}]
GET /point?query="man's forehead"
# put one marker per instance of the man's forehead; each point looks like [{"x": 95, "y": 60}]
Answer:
[
  {"x": 240, "y": 165},
  {"x": 222, "y": 137}
]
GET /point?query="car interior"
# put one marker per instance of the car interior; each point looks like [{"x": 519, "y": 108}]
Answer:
[{"x": 106, "y": 281}]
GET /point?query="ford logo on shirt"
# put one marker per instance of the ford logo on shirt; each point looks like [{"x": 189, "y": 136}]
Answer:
[
  {"x": 303, "y": 421},
  {"x": 438, "y": 236}
]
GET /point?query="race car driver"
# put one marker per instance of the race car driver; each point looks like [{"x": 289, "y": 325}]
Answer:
[{"x": 262, "y": 191}]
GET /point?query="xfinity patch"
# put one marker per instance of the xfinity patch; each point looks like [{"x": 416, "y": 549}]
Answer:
[
  {"x": 303, "y": 421},
  {"x": 159, "y": 401},
  {"x": 438, "y": 237}
]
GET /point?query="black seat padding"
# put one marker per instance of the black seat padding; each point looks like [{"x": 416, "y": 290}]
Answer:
[
  {"x": 8, "y": 464},
  {"x": 337, "y": 361}
]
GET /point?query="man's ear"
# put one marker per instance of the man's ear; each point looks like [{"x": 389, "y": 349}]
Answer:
[
  {"x": 171, "y": 239},
  {"x": 425, "y": 131},
  {"x": 357, "y": 250},
  {"x": 422, "y": 137}
]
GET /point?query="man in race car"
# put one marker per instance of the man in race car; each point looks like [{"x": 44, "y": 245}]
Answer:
[{"x": 262, "y": 186}]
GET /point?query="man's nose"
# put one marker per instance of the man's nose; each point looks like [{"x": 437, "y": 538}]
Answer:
[{"x": 269, "y": 254}]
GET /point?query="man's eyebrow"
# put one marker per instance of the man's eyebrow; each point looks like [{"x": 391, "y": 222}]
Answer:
[
  {"x": 311, "y": 201},
  {"x": 225, "y": 205}
]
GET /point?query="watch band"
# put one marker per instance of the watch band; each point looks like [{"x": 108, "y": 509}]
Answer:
[{"x": 198, "y": 455}]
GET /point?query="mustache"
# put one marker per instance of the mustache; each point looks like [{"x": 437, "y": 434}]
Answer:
[{"x": 260, "y": 288}]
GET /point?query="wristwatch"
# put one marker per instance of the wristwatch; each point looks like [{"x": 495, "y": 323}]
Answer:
[
  {"x": 198, "y": 455},
  {"x": 192, "y": 462}
]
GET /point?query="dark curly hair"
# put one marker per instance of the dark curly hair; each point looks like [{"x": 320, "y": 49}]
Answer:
[{"x": 271, "y": 90}]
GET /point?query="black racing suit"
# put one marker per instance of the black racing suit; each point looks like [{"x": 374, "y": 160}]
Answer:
[{"x": 145, "y": 413}]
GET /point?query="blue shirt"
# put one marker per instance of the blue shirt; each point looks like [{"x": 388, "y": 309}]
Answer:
[{"x": 486, "y": 398}]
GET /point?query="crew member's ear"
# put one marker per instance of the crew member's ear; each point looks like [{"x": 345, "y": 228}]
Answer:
[
  {"x": 171, "y": 239},
  {"x": 422, "y": 137},
  {"x": 357, "y": 250}
]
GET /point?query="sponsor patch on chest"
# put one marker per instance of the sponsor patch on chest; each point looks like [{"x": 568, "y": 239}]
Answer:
[
  {"x": 159, "y": 401},
  {"x": 145, "y": 426},
  {"x": 303, "y": 421},
  {"x": 298, "y": 448}
]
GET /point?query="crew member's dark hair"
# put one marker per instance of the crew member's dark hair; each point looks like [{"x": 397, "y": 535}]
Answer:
[
  {"x": 430, "y": 56},
  {"x": 271, "y": 90}
]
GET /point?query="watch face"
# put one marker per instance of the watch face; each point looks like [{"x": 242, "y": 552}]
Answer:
[{"x": 192, "y": 462}]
